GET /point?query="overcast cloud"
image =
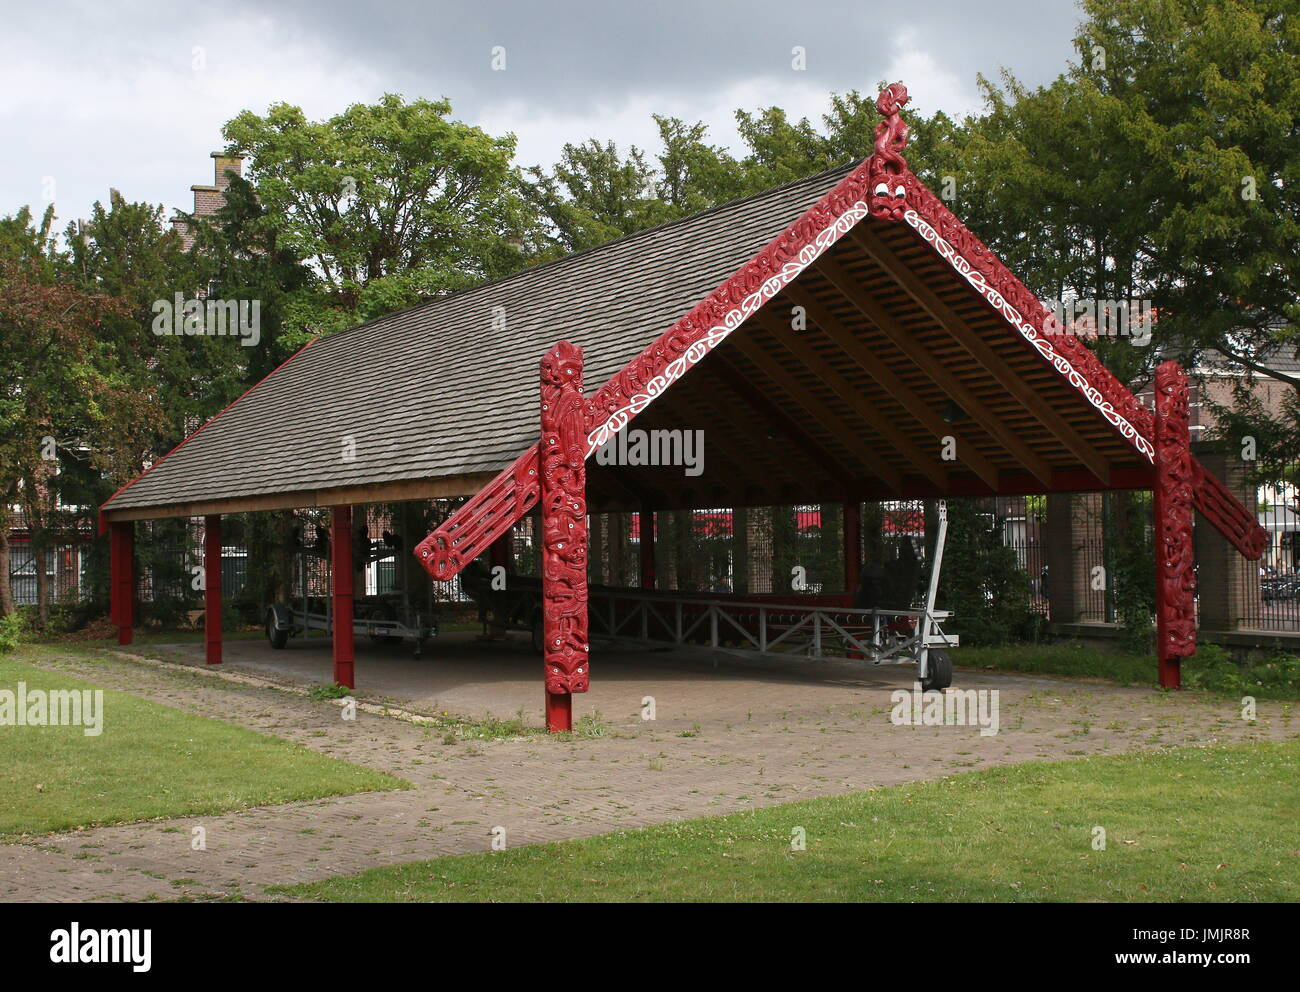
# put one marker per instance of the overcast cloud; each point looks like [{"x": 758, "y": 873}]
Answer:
[{"x": 133, "y": 95}]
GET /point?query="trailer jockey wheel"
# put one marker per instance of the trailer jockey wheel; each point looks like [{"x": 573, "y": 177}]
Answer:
[{"x": 939, "y": 675}]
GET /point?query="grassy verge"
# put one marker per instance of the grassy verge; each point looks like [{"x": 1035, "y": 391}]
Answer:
[
  {"x": 1211, "y": 669},
  {"x": 150, "y": 761},
  {"x": 1214, "y": 824}
]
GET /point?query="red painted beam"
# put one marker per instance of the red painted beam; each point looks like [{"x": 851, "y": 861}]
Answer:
[
  {"x": 562, "y": 455},
  {"x": 559, "y": 712},
  {"x": 122, "y": 578},
  {"x": 646, "y": 529},
  {"x": 212, "y": 587},
  {"x": 341, "y": 567}
]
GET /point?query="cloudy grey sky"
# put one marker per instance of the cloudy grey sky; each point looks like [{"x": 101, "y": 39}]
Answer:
[{"x": 133, "y": 93}]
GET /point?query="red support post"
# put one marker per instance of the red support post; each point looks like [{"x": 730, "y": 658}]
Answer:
[
  {"x": 1174, "y": 495},
  {"x": 341, "y": 567},
  {"x": 852, "y": 545},
  {"x": 562, "y": 456},
  {"x": 212, "y": 586},
  {"x": 646, "y": 530},
  {"x": 121, "y": 547}
]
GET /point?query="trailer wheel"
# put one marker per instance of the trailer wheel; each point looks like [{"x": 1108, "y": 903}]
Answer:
[
  {"x": 384, "y": 613},
  {"x": 940, "y": 674},
  {"x": 278, "y": 638}
]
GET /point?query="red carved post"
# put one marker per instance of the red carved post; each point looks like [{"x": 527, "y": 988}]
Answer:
[
  {"x": 212, "y": 586},
  {"x": 562, "y": 457},
  {"x": 341, "y": 567},
  {"x": 1174, "y": 495},
  {"x": 646, "y": 532},
  {"x": 121, "y": 551}
]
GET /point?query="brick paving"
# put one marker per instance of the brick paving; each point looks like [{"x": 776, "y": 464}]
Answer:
[{"x": 732, "y": 737}]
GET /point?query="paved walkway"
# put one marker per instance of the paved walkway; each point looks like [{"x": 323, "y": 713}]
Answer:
[{"x": 727, "y": 738}]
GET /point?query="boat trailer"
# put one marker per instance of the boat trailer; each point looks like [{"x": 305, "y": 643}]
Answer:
[{"x": 386, "y": 619}]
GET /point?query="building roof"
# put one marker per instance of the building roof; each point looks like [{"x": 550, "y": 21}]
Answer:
[{"x": 448, "y": 389}]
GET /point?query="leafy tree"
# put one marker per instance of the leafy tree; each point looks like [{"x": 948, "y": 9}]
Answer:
[
  {"x": 594, "y": 195},
  {"x": 59, "y": 400},
  {"x": 388, "y": 203}
]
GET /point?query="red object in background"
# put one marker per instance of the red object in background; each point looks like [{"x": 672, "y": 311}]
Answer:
[
  {"x": 1174, "y": 489},
  {"x": 122, "y": 578},
  {"x": 341, "y": 578},
  {"x": 212, "y": 587},
  {"x": 562, "y": 459}
]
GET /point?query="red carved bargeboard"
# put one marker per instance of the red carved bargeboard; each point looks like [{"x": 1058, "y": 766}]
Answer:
[
  {"x": 1176, "y": 479},
  {"x": 562, "y": 463}
]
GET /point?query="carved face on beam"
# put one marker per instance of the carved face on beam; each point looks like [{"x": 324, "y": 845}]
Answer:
[{"x": 888, "y": 196}]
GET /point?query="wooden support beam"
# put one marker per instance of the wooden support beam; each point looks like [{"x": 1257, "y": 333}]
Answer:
[
  {"x": 646, "y": 532},
  {"x": 341, "y": 581},
  {"x": 1175, "y": 560},
  {"x": 928, "y": 363},
  {"x": 121, "y": 578},
  {"x": 1026, "y": 393},
  {"x": 910, "y": 454},
  {"x": 889, "y": 381},
  {"x": 212, "y": 587},
  {"x": 814, "y": 406},
  {"x": 706, "y": 401},
  {"x": 852, "y": 545}
]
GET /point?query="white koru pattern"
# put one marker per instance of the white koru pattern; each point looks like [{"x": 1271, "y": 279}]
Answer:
[
  {"x": 1031, "y": 334},
  {"x": 715, "y": 335}
]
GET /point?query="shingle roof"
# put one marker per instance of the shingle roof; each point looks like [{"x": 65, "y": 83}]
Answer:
[{"x": 438, "y": 391}]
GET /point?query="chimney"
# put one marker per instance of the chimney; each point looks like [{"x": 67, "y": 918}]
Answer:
[{"x": 224, "y": 166}]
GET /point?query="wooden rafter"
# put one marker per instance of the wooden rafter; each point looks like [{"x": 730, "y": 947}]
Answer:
[
  {"x": 928, "y": 465},
  {"x": 743, "y": 386},
  {"x": 889, "y": 381},
  {"x": 1009, "y": 378},
  {"x": 925, "y": 360},
  {"x": 814, "y": 406}
]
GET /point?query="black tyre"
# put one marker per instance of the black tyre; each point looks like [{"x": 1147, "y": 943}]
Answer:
[
  {"x": 278, "y": 638},
  {"x": 384, "y": 614},
  {"x": 940, "y": 671}
]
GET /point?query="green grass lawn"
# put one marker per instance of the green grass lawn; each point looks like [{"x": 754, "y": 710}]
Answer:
[
  {"x": 151, "y": 761},
  {"x": 1216, "y": 824},
  {"x": 1211, "y": 669}
]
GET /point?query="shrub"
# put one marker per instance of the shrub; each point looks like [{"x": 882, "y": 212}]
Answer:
[{"x": 13, "y": 628}]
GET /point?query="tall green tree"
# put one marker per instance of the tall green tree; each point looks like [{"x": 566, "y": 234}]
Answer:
[{"x": 388, "y": 203}]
